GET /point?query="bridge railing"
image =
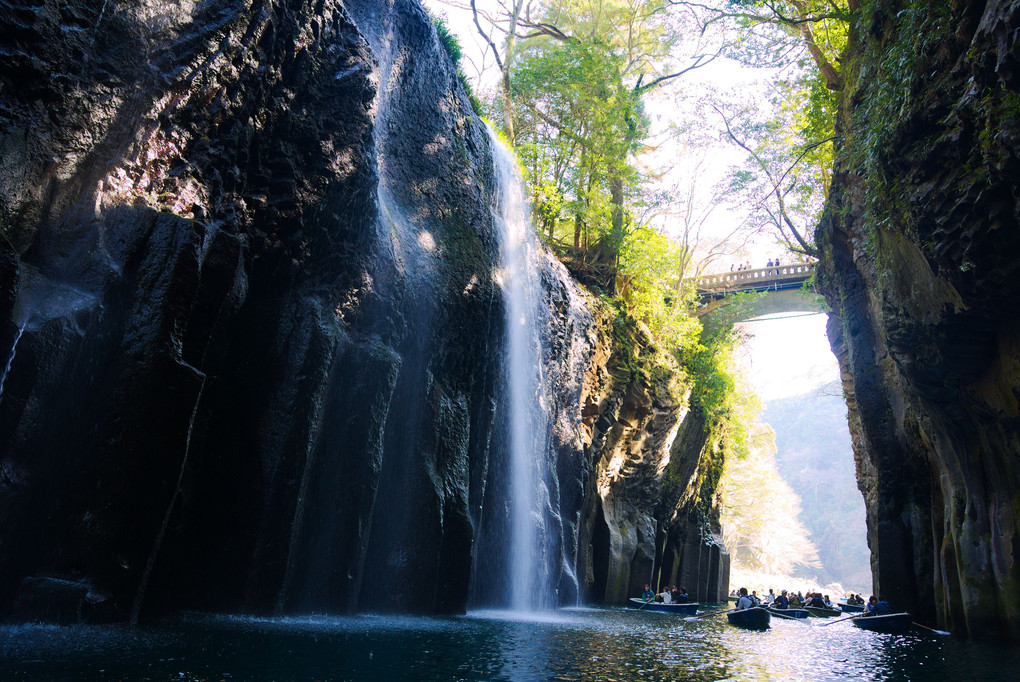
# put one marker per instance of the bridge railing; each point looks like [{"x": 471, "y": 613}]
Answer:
[{"x": 749, "y": 279}]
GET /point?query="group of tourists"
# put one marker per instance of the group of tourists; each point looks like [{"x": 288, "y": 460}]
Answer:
[
  {"x": 784, "y": 600},
  {"x": 668, "y": 595},
  {"x": 747, "y": 265},
  {"x": 791, "y": 600}
]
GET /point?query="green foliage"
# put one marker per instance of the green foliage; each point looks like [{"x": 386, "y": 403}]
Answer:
[
  {"x": 651, "y": 271},
  {"x": 790, "y": 142},
  {"x": 453, "y": 49},
  {"x": 709, "y": 359},
  {"x": 577, "y": 126},
  {"x": 448, "y": 39},
  {"x": 889, "y": 86}
]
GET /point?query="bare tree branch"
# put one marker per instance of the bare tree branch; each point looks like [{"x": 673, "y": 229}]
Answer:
[
  {"x": 782, "y": 217},
  {"x": 485, "y": 36}
]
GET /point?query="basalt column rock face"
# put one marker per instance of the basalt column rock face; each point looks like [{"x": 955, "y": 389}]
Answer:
[
  {"x": 246, "y": 286},
  {"x": 920, "y": 241},
  {"x": 642, "y": 521}
]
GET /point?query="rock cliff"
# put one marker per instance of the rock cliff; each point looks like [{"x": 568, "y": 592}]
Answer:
[
  {"x": 919, "y": 241},
  {"x": 251, "y": 327},
  {"x": 228, "y": 339},
  {"x": 651, "y": 515}
]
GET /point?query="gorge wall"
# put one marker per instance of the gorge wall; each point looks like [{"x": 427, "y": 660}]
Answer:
[
  {"x": 251, "y": 330},
  {"x": 919, "y": 242}
]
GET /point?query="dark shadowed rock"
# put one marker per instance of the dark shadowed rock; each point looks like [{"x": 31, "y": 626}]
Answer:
[
  {"x": 919, "y": 240},
  {"x": 247, "y": 268}
]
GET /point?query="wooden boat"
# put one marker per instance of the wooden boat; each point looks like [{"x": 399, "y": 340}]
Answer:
[
  {"x": 819, "y": 612},
  {"x": 789, "y": 612},
  {"x": 681, "y": 609},
  {"x": 755, "y": 618},
  {"x": 889, "y": 623},
  {"x": 851, "y": 608}
]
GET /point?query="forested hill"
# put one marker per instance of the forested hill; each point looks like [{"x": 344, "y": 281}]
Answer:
[{"x": 814, "y": 456}]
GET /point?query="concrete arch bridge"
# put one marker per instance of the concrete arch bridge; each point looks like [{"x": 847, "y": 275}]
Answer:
[{"x": 783, "y": 284}]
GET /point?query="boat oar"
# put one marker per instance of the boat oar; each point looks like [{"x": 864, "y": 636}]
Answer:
[
  {"x": 783, "y": 615},
  {"x": 644, "y": 605},
  {"x": 838, "y": 620},
  {"x": 937, "y": 632},
  {"x": 710, "y": 613}
]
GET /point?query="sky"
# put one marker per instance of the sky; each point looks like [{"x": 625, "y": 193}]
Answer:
[{"x": 788, "y": 355}]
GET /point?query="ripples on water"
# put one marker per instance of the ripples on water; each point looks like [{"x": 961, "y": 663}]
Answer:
[{"x": 569, "y": 644}]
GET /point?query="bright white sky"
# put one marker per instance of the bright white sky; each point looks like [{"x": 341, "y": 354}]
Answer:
[{"x": 788, "y": 355}]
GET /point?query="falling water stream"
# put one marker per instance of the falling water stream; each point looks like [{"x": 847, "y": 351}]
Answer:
[
  {"x": 528, "y": 419},
  {"x": 10, "y": 359}
]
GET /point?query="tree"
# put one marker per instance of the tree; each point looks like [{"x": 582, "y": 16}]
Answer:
[
  {"x": 786, "y": 177},
  {"x": 575, "y": 74}
]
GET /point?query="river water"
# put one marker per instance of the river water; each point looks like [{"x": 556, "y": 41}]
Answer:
[{"x": 569, "y": 644}]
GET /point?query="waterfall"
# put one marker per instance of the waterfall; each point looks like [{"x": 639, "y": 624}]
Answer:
[
  {"x": 10, "y": 359},
  {"x": 529, "y": 486}
]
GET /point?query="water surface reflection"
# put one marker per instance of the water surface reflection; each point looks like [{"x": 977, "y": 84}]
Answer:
[{"x": 569, "y": 644}]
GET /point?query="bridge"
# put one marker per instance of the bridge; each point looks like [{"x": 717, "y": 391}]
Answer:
[
  {"x": 774, "y": 278},
  {"x": 783, "y": 283}
]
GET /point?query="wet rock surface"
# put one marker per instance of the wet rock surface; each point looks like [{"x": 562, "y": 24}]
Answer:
[
  {"x": 211, "y": 314},
  {"x": 919, "y": 264},
  {"x": 248, "y": 294},
  {"x": 644, "y": 518}
]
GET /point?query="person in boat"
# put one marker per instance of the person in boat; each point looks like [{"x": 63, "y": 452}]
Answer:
[
  {"x": 815, "y": 601},
  {"x": 782, "y": 601},
  {"x": 770, "y": 598},
  {"x": 745, "y": 601},
  {"x": 682, "y": 596},
  {"x": 882, "y": 606},
  {"x": 828, "y": 603},
  {"x": 795, "y": 601},
  {"x": 674, "y": 595},
  {"x": 871, "y": 608},
  {"x": 647, "y": 594},
  {"x": 665, "y": 597},
  {"x": 754, "y": 598}
]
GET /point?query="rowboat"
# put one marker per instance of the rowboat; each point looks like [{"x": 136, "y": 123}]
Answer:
[
  {"x": 889, "y": 623},
  {"x": 819, "y": 612},
  {"x": 789, "y": 613},
  {"x": 755, "y": 618},
  {"x": 851, "y": 608},
  {"x": 681, "y": 609}
]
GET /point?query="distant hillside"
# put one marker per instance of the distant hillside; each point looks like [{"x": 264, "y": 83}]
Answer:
[{"x": 815, "y": 457}]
